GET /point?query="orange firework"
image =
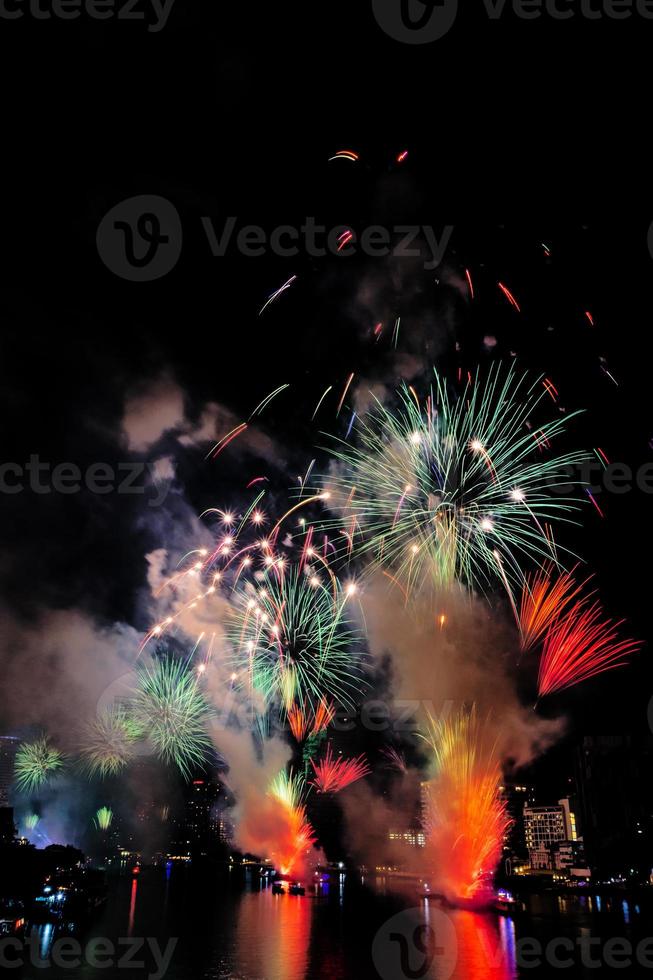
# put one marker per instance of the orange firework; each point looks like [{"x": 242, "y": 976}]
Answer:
[
  {"x": 298, "y": 722},
  {"x": 333, "y": 774},
  {"x": 543, "y": 600},
  {"x": 466, "y": 818},
  {"x": 324, "y": 714},
  {"x": 294, "y": 834},
  {"x": 298, "y": 718},
  {"x": 581, "y": 645}
]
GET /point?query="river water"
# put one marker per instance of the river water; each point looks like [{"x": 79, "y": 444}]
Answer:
[{"x": 197, "y": 924}]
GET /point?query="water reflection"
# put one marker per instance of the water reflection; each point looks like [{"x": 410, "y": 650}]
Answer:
[
  {"x": 486, "y": 947},
  {"x": 132, "y": 907},
  {"x": 273, "y": 935}
]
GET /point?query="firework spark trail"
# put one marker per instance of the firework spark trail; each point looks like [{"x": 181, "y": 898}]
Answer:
[
  {"x": 332, "y": 773},
  {"x": 266, "y": 401},
  {"x": 277, "y": 293},
  {"x": 438, "y": 491},
  {"x": 344, "y": 393},
  {"x": 581, "y": 645},
  {"x": 173, "y": 713},
  {"x": 466, "y": 817},
  {"x": 395, "y": 759},
  {"x": 345, "y": 155},
  {"x": 295, "y": 835},
  {"x": 36, "y": 763},
  {"x": 224, "y": 442},
  {"x": 322, "y": 397},
  {"x": 109, "y": 742},
  {"x": 544, "y": 599},
  {"x": 511, "y": 299}
]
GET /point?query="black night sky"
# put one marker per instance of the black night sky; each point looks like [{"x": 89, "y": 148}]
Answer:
[{"x": 521, "y": 145}]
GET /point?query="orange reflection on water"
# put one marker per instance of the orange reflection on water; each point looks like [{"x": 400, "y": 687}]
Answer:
[
  {"x": 132, "y": 906},
  {"x": 281, "y": 927},
  {"x": 486, "y": 947}
]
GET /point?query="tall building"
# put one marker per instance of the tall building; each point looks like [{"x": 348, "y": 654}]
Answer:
[
  {"x": 203, "y": 823},
  {"x": 544, "y": 828},
  {"x": 8, "y": 749},
  {"x": 516, "y": 796},
  {"x": 424, "y": 806},
  {"x": 7, "y": 826},
  {"x": 616, "y": 803}
]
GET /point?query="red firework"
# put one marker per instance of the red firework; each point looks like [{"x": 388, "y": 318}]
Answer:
[
  {"x": 333, "y": 774},
  {"x": 581, "y": 645},
  {"x": 544, "y": 599}
]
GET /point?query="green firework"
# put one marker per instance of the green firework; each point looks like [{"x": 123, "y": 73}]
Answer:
[
  {"x": 172, "y": 711},
  {"x": 294, "y": 640},
  {"x": 109, "y": 742},
  {"x": 456, "y": 489},
  {"x": 36, "y": 762},
  {"x": 103, "y": 818}
]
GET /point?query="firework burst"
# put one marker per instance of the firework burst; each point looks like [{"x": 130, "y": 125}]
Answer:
[
  {"x": 295, "y": 834},
  {"x": 581, "y": 645},
  {"x": 333, "y": 774},
  {"x": 110, "y": 742},
  {"x": 173, "y": 712},
  {"x": 544, "y": 598},
  {"x": 294, "y": 641},
  {"x": 36, "y": 763},
  {"x": 448, "y": 490},
  {"x": 466, "y": 819},
  {"x": 103, "y": 818}
]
